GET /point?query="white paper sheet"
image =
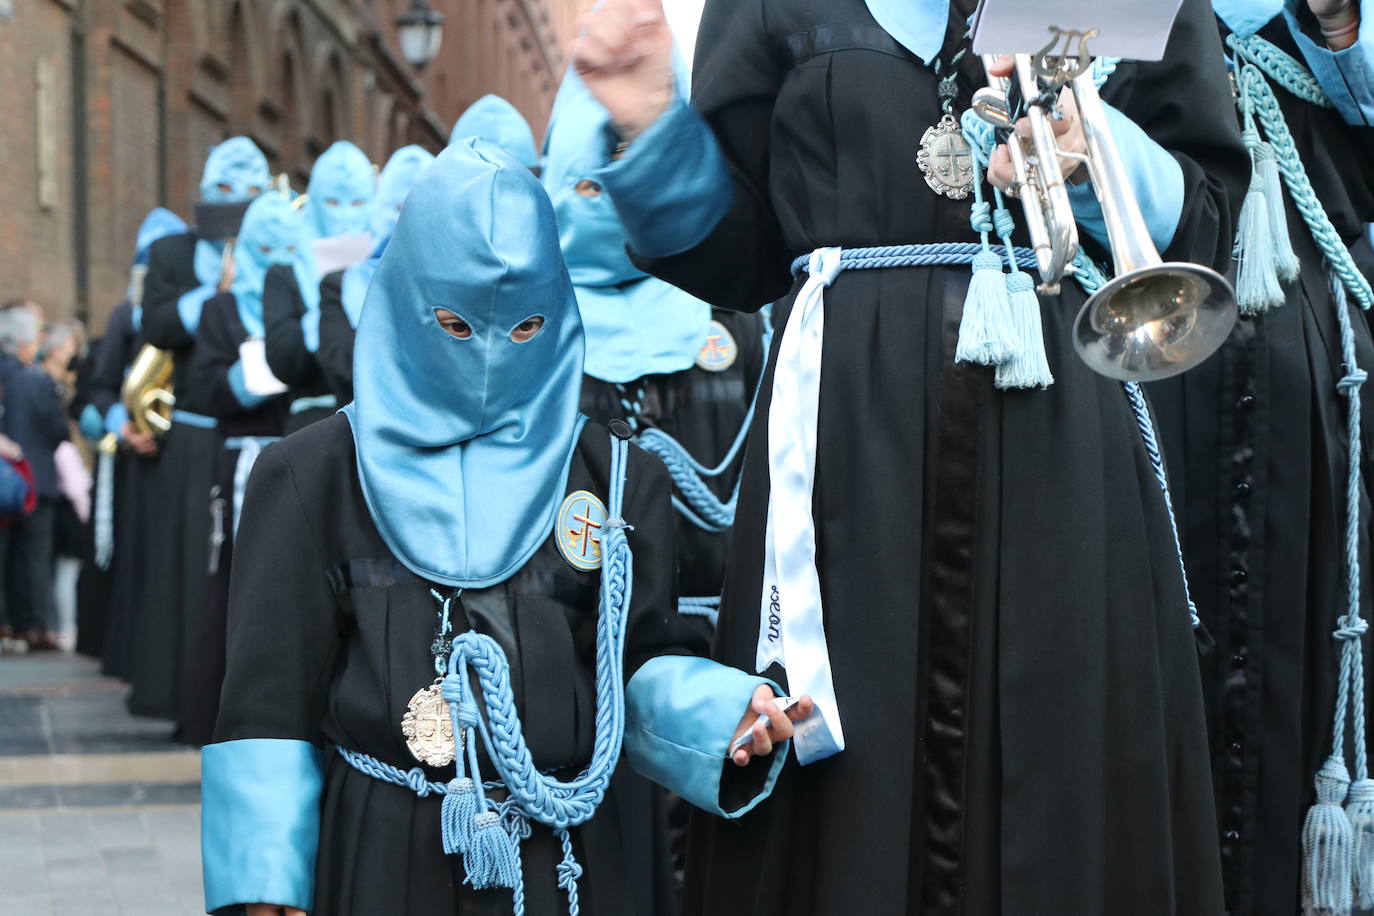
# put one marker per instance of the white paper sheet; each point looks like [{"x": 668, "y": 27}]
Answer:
[
  {"x": 339, "y": 251},
  {"x": 257, "y": 375},
  {"x": 1129, "y": 29}
]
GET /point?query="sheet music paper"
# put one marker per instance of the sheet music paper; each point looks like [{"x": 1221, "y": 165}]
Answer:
[
  {"x": 1129, "y": 29},
  {"x": 339, "y": 251},
  {"x": 257, "y": 375}
]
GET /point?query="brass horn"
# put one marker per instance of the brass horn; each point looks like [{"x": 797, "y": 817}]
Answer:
[
  {"x": 1154, "y": 319},
  {"x": 147, "y": 393}
]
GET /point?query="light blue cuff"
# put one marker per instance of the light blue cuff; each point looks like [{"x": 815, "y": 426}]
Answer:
[
  {"x": 240, "y": 388},
  {"x": 671, "y": 188},
  {"x": 1346, "y": 76},
  {"x": 1156, "y": 177},
  {"x": 190, "y": 305},
  {"x": 92, "y": 424},
  {"x": 115, "y": 418},
  {"x": 260, "y": 823},
  {"x": 681, "y": 713}
]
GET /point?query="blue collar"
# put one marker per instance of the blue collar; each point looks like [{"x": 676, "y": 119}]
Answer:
[
  {"x": 919, "y": 25},
  {"x": 1246, "y": 17}
]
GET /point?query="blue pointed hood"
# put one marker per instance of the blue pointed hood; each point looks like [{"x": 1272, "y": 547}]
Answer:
[
  {"x": 495, "y": 120},
  {"x": 463, "y": 446},
  {"x": 159, "y": 223},
  {"x": 636, "y": 325},
  {"x": 402, "y": 170},
  {"x": 272, "y": 233},
  {"x": 235, "y": 171},
  {"x": 341, "y": 188}
]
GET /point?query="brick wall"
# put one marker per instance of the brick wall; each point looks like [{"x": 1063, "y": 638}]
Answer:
[{"x": 163, "y": 80}]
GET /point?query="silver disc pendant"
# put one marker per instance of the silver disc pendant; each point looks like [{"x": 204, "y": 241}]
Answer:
[
  {"x": 428, "y": 727},
  {"x": 945, "y": 159}
]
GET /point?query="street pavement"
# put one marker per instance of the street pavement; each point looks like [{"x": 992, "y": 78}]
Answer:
[{"x": 99, "y": 811}]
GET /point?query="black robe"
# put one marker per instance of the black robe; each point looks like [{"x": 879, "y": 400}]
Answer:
[
  {"x": 290, "y": 361},
  {"x": 109, "y": 637},
  {"x": 330, "y": 647},
  {"x": 1011, "y": 650},
  {"x": 703, "y": 411},
  {"x": 177, "y": 498},
  {"x": 336, "y": 339},
  {"x": 217, "y": 350},
  {"x": 1257, "y": 448}
]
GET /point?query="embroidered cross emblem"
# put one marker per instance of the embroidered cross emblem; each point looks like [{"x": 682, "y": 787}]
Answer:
[{"x": 583, "y": 536}]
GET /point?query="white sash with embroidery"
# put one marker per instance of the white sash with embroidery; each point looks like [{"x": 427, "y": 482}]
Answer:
[{"x": 791, "y": 621}]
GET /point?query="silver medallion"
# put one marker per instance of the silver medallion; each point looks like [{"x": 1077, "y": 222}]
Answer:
[
  {"x": 945, "y": 159},
  {"x": 428, "y": 727}
]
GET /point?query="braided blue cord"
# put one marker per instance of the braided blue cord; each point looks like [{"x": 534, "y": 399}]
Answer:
[
  {"x": 413, "y": 779},
  {"x": 1281, "y": 67},
  {"x": 1256, "y": 93},
  {"x": 700, "y": 505},
  {"x": 700, "y": 607},
  {"x": 939, "y": 254}
]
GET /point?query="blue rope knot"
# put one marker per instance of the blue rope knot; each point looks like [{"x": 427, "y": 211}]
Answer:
[
  {"x": 1019, "y": 282},
  {"x": 451, "y": 689},
  {"x": 1251, "y": 138},
  {"x": 418, "y": 782},
  {"x": 1332, "y": 782},
  {"x": 980, "y": 216},
  {"x": 1352, "y": 380},
  {"x": 569, "y": 871},
  {"x": 1350, "y": 629},
  {"x": 618, "y": 523},
  {"x": 1005, "y": 222}
]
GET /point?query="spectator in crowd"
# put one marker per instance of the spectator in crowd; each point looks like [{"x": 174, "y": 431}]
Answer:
[{"x": 34, "y": 419}]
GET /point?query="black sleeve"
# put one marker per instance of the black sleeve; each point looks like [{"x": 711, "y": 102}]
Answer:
[
  {"x": 282, "y": 308},
  {"x": 110, "y": 357},
  {"x": 171, "y": 274},
  {"x": 283, "y": 632},
  {"x": 336, "y": 338},
  {"x": 217, "y": 351},
  {"x": 49, "y": 419},
  {"x": 742, "y": 264},
  {"x": 654, "y": 627},
  {"x": 1184, "y": 103}
]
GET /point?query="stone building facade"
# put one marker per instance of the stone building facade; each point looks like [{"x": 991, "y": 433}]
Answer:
[{"x": 110, "y": 106}]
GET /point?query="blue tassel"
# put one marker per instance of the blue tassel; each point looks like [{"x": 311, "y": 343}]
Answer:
[
  {"x": 1328, "y": 846},
  {"x": 1360, "y": 810},
  {"x": 456, "y": 815},
  {"x": 1029, "y": 368},
  {"x": 1286, "y": 263},
  {"x": 986, "y": 330},
  {"x": 492, "y": 859},
  {"x": 1257, "y": 277}
]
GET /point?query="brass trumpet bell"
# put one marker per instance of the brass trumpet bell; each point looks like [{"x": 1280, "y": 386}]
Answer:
[{"x": 1155, "y": 322}]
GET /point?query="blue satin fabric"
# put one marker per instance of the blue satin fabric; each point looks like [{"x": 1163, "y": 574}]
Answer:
[
  {"x": 495, "y": 120},
  {"x": 272, "y": 233},
  {"x": 235, "y": 171},
  {"x": 1246, "y": 17},
  {"x": 671, "y": 187},
  {"x": 636, "y": 325},
  {"x": 463, "y": 446},
  {"x": 260, "y": 823},
  {"x": 919, "y": 25},
  {"x": 240, "y": 166},
  {"x": 341, "y": 188},
  {"x": 399, "y": 175},
  {"x": 402, "y": 170},
  {"x": 1156, "y": 178},
  {"x": 159, "y": 223},
  {"x": 681, "y": 713}
]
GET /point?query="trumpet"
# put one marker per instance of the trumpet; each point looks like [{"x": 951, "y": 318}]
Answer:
[
  {"x": 1153, "y": 319},
  {"x": 147, "y": 392}
]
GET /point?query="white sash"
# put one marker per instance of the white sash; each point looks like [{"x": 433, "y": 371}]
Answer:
[{"x": 791, "y": 621}]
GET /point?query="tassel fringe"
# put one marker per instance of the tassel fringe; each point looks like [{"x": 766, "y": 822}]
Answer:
[
  {"x": 1328, "y": 846},
  {"x": 492, "y": 859},
  {"x": 456, "y": 815},
  {"x": 1286, "y": 262},
  {"x": 1360, "y": 811},
  {"x": 986, "y": 331},
  {"x": 1029, "y": 368}
]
